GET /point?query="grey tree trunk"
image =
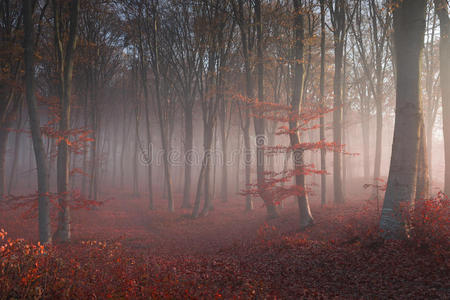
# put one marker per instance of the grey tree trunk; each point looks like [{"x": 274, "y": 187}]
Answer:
[
  {"x": 149, "y": 149},
  {"x": 245, "y": 121},
  {"x": 339, "y": 39},
  {"x": 444, "y": 55},
  {"x": 124, "y": 142},
  {"x": 306, "y": 218},
  {"x": 188, "y": 155},
  {"x": 423, "y": 178},
  {"x": 259, "y": 121},
  {"x": 223, "y": 136},
  {"x": 379, "y": 46},
  {"x": 38, "y": 146},
  {"x": 323, "y": 178},
  {"x": 65, "y": 59},
  {"x": 164, "y": 134},
  {"x": 93, "y": 182},
  {"x": 409, "y": 27}
]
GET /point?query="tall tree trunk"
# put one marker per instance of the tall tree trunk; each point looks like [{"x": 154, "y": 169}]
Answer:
[
  {"x": 188, "y": 155},
  {"x": 238, "y": 163},
  {"x": 207, "y": 178},
  {"x": 38, "y": 146},
  {"x": 136, "y": 153},
  {"x": 444, "y": 61},
  {"x": 343, "y": 122},
  {"x": 66, "y": 58},
  {"x": 149, "y": 133},
  {"x": 164, "y": 134},
  {"x": 323, "y": 176},
  {"x": 223, "y": 136},
  {"x": 297, "y": 95},
  {"x": 124, "y": 143},
  {"x": 339, "y": 39},
  {"x": 86, "y": 125},
  {"x": 379, "y": 99},
  {"x": 249, "y": 205},
  {"x": 365, "y": 127},
  {"x": 409, "y": 27},
  {"x": 259, "y": 121},
  {"x": 93, "y": 186},
  {"x": 114, "y": 154},
  {"x": 245, "y": 120}
]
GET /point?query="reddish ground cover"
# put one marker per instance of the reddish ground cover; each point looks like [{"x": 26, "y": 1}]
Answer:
[{"x": 124, "y": 250}]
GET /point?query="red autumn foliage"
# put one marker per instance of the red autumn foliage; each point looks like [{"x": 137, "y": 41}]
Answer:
[{"x": 124, "y": 251}]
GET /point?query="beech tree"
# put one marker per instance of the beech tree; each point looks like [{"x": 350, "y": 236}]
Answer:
[
  {"x": 441, "y": 7},
  {"x": 338, "y": 20},
  {"x": 65, "y": 32},
  {"x": 409, "y": 27},
  {"x": 296, "y": 104},
  {"x": 35, "y": 125}
]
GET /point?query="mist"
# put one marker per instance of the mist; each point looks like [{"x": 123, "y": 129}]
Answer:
[{"x": 210, "y": 149}]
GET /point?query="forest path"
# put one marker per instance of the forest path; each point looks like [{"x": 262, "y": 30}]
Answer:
[{"x": 163, "y": 233}]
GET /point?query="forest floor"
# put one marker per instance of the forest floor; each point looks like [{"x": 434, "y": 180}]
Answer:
[{"x": 124, "y": 250}]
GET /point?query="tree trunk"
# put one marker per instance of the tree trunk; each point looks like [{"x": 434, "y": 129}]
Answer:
[
  {"x": 259, "y": 121},
  {"x": 248, "y": 164},
  {"x": 66, "y": 58},
  {"x": 323, "y": 176},
  {"x": 164, "y": 134},
  {"x": 93, "y": 191},
  {"x": 223, "y": 136},
  {"x": 207, "y": 172},
  {"x": 444, "y": 58},
  {"x": 379, "y": 99},
  {"x": 339, "y": 39},
  {"x": 409, "y": 27},
  {"x": 365, "y": 126},
  {"x": 136, "y": 153},
  {"x": 245, "y": 121},
  {"x": 149, "y": 153},
  {"x": 423, "y": 178},
  {"x": 124, "y": 143},
  {"x": 38, "y": 146},
  {"x": 238, "y": 163},
  {"x": 188, "y": 155},
  {"x": 306, "y": 218}
]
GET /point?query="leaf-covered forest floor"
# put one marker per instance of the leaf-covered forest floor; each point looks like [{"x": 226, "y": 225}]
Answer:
[{"x": 123, "y": 250}]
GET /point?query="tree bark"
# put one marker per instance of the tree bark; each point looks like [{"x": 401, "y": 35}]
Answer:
[
  {"x": 423, "y": 178},
  {"x": 259, "y": 121},
  {"x": 444, "y": 55},
  {"x": 164, "y": 134},
  {"x": 149, "y": 149},
  {"x": 38, "y": 146},
  {"x": 339, "y": 39},
  {"x": 323, "y": 178},
  {"x": 65, "y": 60},
  {"x": 188, "y": 155},
  {"x": 245, "y": 121},
  {"x": 409, "y": 27},
  {"x": 306, "y": 218}
]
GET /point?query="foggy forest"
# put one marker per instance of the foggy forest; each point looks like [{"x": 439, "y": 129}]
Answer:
[{"x": 224, "y": 149}]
